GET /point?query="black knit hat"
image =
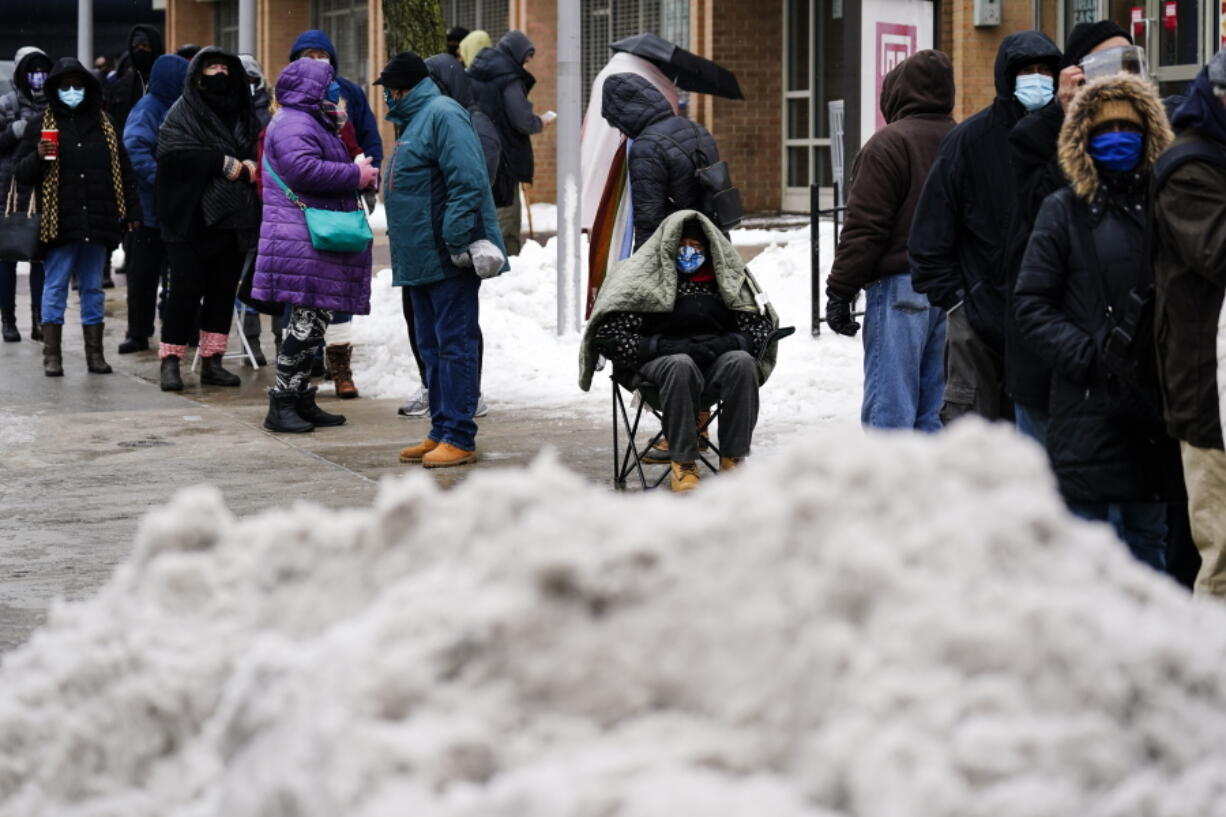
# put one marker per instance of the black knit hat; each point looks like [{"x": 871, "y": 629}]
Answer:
[
  {"x": 403, "y": 71},
  {"x": 1086, "y": 36},
  {"x": 693, "y": 229}
]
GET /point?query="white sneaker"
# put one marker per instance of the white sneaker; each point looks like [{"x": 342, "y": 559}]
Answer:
[
  {"x": 417, "y": 406},
  {"x": 482, "y": 409}
]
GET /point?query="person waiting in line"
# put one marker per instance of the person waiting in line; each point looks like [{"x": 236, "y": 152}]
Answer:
[
  {"x": 683, "y": 313},
  {"x": 303, "y": 153},
  {"x": 1111, "y": 455},
  {"x": 146, "y": 264},
  {"x": 444, "y": 240},
  {"x": 87, "y": 198},
  {"x": 21, "y": 109},
  {"x": 904, "y": 336},
  {"x": 208, "y": 209},
  {"x": 471, "y": 46},
  {"x": 455, "y": 36}
]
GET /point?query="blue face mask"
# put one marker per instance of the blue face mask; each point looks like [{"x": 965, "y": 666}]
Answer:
[
  {"x": 333, "y": 94},
  {"x": 71, "y": 97},
  {"x": 690, "y": 259},
  {"x": 1119, "y": 152},
  {"x": 389, "y": 99},
  {"x": 1033, "y": 90}
]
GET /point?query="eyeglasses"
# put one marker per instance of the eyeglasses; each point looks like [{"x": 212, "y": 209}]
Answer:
[{"x": 73, "y": 86}]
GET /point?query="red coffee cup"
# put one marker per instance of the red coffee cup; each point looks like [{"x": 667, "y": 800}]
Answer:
[{"x": 53, "y": 136}]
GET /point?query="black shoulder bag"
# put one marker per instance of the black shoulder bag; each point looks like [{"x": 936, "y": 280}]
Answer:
[{"x": 723, "y": 200}]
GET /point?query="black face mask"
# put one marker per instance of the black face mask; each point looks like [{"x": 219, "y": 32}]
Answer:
[
  {"x": 219, "y": 92},
  {"x": 142, "y": 61}
]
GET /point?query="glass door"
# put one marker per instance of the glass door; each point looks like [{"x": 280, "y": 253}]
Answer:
[
  {"x": 813, "y": 67},
  {"x": 1176, "y": 34}
]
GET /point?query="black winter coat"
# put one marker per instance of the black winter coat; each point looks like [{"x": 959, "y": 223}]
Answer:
[
  {"x": 449, "y": 75},
  {"x": 127, "y": 89},
  {"x": 667, "y": 150},
  {"x": 87, "y": 207},
  {"x": 501, "y": 85},
  {"x": 20, "y": 104},
  {"x": 961, "y": 226},
  {"x": 1106, "y": 441}
]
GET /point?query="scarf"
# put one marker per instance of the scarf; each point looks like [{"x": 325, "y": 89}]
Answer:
[{"x": 49, "y": 225}]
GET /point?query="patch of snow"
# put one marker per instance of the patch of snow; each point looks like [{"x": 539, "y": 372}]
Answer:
[{"x": 858, "y": 626}]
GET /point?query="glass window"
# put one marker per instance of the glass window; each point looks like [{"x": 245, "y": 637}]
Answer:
[
  {"x": 814, "y": 65},
  {"x": 227, "y": 25},
  {"x": 796, "y": 73},
  {"x": 344, "y": 21},
  {"x": 489, "y": 16},
  {"x": 606, "y": 21},
  {"x": 1179, "y": 33}
]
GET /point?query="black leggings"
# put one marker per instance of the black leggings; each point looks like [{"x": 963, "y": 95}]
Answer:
[
  {"x": 406, "y": 306},
  {"x": 197, "y": 278}
]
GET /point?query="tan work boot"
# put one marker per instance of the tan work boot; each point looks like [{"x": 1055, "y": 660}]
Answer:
[
  {"x": 685, "y": 477},
  {"x": 414, "y": 453},
  {"x": 730, "y": 463},
  {"x": 447, "y": 455}
]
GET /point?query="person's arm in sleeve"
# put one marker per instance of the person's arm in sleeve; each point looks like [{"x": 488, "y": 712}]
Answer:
[
  {"x": 932, "y": 245},
  {"x": 463, "y": 168},
  {"x": 874, "y": 199},
  {"x": 519, "y": 110},
  {"x": 619, "y": 338},
  {"x": 300, "y": 165},
  {"x": 29, "y": 167},
  {"x": 1038, "y": 297},
  {"x": 131, "y": 199},
  {"x": 1192, "y": 223},
  {"x": 140, "y": 140},
  {"x": 365, "y": 128},
  {"x": 648, "y": 177}
]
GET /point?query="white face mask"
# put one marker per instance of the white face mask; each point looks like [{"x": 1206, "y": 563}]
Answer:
[{"x": 322, "y": 59}]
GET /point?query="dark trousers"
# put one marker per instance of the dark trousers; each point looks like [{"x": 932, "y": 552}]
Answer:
[
  {"x": 685, "y": 390},
  {"x": 8, "y": 284},
  {"x": 445, "y": 316},
  {"x": 974, "y": 374},
  {"x": 406, "y": 306},
  {"x": 146, "y": 262},
  {"x": 204, "y": 282}
]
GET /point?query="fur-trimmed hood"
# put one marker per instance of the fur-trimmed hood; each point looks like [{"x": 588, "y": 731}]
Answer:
[{"x": 1074, "y": 149}]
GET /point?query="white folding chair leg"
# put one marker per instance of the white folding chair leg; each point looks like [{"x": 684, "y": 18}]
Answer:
[{"x": 235, "y": 325}]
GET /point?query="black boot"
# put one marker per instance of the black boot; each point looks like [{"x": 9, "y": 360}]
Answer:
[
  {"x": 212, "y": 373},
  {"x": 283, "y": 413},
  {"x": 312, "y": 413},
  {"x": 95, "y": 361},
  {"x": 131, "y": 344},
  {"x": 171, "y": 379},
  {"x": 36, "y": 323},
  {"x": 8, "y": 326},
  {"x": 53, "y": 361}
]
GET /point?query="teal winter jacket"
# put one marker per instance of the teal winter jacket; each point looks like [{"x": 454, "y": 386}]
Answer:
[{"x": 437, "y": 192}]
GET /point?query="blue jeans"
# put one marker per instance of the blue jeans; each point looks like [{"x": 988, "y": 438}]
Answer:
[
  {"x": 904, "y": 347},
  {"x": 8, "y": 284},
  {"x": 86, "y": 259},
  {"x": 1032, "y": 422},
  {"x": 1140, "y": 525},
  {"x": 448, "y": 337}
]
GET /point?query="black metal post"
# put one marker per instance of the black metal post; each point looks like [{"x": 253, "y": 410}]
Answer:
[{"x": 815, "y": 257}]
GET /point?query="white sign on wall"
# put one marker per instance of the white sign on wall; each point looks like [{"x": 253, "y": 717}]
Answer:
[{"x": 890, "y": 31}]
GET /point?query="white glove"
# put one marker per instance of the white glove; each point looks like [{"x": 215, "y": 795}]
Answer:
[
  {"x": 19, "y": 128},
  {"x": 486, "y": 258},
  {"x": 463, "y": 260}
]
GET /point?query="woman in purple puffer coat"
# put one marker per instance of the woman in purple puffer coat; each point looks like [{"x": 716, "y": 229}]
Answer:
[{"x": 303, "y": 149}]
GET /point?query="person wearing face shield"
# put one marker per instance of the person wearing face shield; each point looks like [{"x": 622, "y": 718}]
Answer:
[
  {"x": 21, "y": 109},
  {"x": 87, "y": 200},
  {"x": 1083, "y": 265},
  {"x": 709, "y": 346},
  {"x": 959, "y": 235}
]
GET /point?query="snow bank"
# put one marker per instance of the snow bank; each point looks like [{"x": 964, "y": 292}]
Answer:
[{"x": 867, "y": 626}]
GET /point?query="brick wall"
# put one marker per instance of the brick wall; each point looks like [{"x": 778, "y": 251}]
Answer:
[
  {"x": 973, "y": 51},
  {"x": 189, "y": 22},
  {"x": 539, "y": 20},
  {"x": 278, "y": 24}
]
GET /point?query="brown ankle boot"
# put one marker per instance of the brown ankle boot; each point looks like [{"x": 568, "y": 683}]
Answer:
[
  {"x": 53, "y": 360},
  {"x": 95, "y": 361},
  {"x": 684, "y": 477},
  {"x": 338, "y": 363}
]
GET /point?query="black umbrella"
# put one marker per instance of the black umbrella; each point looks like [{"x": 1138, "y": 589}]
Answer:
[{"x": 690, "y": 71}]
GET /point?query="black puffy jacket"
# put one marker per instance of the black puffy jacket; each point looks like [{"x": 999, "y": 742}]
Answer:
[
  {"x": 501, "y": 85},
  {"x": 88, "y": 207},
  {"x": 667, "y": 150},
  {"x": 20, "y": 104},
  {"x": 127, "y": 89},
  {"x": 448, "y": 74},
  {"x": 961, "y": 227},
  {"x": 1106, "y": 440}
]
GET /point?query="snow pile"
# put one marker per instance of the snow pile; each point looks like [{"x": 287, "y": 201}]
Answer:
[{"x": 881, "y": 625}]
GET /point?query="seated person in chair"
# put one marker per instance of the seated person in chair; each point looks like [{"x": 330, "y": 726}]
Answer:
[{"x": 683, "y": 315}]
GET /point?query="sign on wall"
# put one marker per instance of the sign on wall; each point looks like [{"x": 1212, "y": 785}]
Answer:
[
  {"x": 891, "y": 31},
  {"x": 1222, "y": 26}
]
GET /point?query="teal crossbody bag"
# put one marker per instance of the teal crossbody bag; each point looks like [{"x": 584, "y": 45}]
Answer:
[{"x": 331, "y": 230}]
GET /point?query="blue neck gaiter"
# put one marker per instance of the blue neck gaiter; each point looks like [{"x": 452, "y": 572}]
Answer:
[
  {"x": 1119, "y": 152},
  {"x": 333, "y": 94}
]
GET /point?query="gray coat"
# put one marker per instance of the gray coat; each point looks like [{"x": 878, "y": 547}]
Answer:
[{"x": 17, "y": 105}]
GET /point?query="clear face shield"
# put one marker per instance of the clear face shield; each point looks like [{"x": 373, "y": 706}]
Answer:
[{"x": 1129, "y": 59}]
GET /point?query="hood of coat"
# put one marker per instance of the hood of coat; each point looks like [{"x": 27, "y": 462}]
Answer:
[
  {"x": 492, "y": 63},
  {"x": 167, "y": 78},
  {"x": 404, "y": 109},
  {"x": 472, "y": 45},
  {"x": 1019, "y": 50},
  {"x": 1073, "y": 145},
  {"x": 28, "y": 59},
  {"x": 302, "y": 84},
  {"x": 236, "y": 75},
  {"x": 1202, "y": 111},
  {"x": 156, "y": 44},
  {"x": 921, "y": 84},
  {"x": 630, "y": 103},
  {"x": 64, "y": 68},
  {"x": 313, "y": 38},
  {"x": 253, "y": 68},
  {"x": 516, "y": 45},
  {"x": 447, "y": 72}
]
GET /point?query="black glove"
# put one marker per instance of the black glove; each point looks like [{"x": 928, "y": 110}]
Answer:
[
  {"x": 838, "y": 315},
  {"x": 720, "y": 344},
  {"x": 605, "y": 346},
  {"x": 672, "y": 346}
]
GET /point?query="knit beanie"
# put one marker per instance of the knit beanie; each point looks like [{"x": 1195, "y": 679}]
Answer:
[
  {"x": 693, "y": 229},
  {"x": 1086, "y": 36},
  {"x": 403, "y": 71},
  {"x": 1116, "y": 110}
]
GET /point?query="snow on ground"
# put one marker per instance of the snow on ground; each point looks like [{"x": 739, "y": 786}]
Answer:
[
  {"x": 528, "y": 366},
  {"x": 858, "y": 626}
]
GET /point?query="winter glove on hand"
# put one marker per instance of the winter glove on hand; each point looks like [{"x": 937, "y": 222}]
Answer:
[
  {"x": 702, "y": 354},
  {"x": 18, "y": 128},
  {"x": 605, "y": 346},
  {"x": 370, "y": 199},
  {"x": 672, "y": 346},
  {"x": 231, "y": 168},
  {"x": 487, "y": 259},
  {"x": 838, "y": 315},
  {"x": 463, "y": 260},
  {"x": 720, "y": 344}
]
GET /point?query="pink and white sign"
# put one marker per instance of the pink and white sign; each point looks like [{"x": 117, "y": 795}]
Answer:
[{"x": 894, "y": 44}]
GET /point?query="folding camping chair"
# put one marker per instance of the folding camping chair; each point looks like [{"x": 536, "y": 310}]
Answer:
[
  {"x": 240, "y": 309},
  {"x": 628, "y": 460}
]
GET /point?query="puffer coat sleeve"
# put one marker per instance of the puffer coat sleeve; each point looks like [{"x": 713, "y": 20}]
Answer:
[
  {"x": 462, "y": 164},
  {"x": 661, "y": 169},
  {"x": 302, "y": 167}
]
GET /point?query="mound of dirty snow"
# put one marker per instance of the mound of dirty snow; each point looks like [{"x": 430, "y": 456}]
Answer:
[{"x": 890, "y": 625}]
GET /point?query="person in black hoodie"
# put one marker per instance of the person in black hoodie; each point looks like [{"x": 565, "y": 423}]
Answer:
[
  {"x": 501, "y": 84},
  {"x": 208, "y": 207},
  {"x": 87, "y": 199},
  {"x": 1033, "y": 145},
  {"x": 1112, "y": 457},
  {"x": 958, "y": 237},
  {"x": 144, "y": 46},
  {"x": 665, "y": 153}
]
